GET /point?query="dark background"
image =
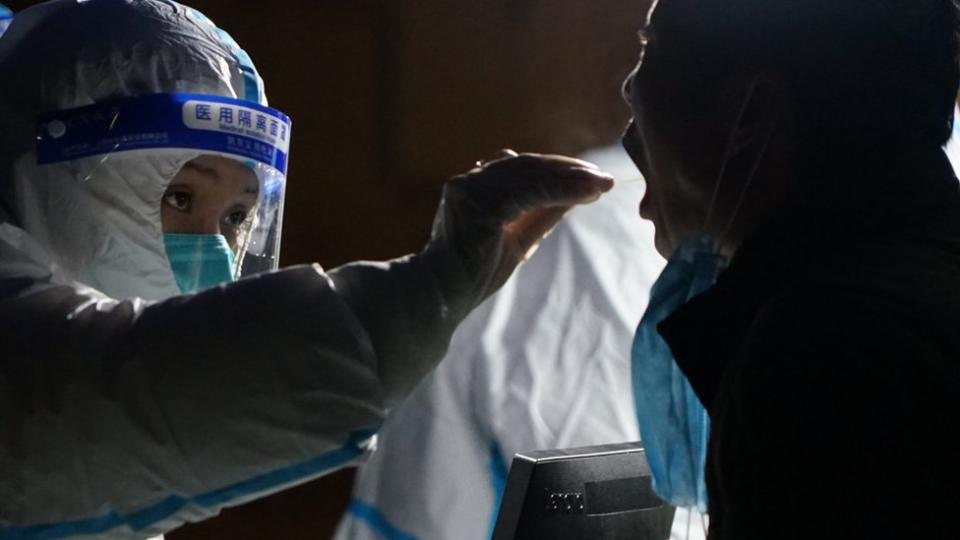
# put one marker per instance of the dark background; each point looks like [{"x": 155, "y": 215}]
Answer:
[{"x": 388, "y": 98}]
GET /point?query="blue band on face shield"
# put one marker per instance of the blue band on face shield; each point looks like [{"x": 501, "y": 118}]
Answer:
[
  {"x": 195, "y": 121},
  {"x": 6, "y": 17},
  {"x": 200, "y": 261}
]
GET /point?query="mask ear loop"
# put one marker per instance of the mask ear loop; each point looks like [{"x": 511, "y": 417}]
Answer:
[
  {"x": 240, "y": 255},
  {"x": 726, "y": 154},
  {"x": 726, "y": 160},
  {"x": 250, "y": 225},
  {"x": 746, "y": 187}
]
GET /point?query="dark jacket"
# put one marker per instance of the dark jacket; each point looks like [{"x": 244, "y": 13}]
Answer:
[{"x": 828, "y": 357}]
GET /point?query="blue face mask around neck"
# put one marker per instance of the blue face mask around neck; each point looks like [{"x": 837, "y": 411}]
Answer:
[
  {"x": 200, "y": 261},
  {"x": 674, "y": 425}
]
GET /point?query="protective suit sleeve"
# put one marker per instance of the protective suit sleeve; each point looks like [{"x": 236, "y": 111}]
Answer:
[
  {"x": 123, "y": 419},
  {"x": 408, "y": 320}
]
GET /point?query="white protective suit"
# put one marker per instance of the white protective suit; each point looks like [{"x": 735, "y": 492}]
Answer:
[
  {"x": 543, "y": 364},
  {"x": 126, "y": 409}
]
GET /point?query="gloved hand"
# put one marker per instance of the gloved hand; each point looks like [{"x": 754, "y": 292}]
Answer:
[
  {"x": 489, "y": 220},
  {"x": 493, "y": 216}
]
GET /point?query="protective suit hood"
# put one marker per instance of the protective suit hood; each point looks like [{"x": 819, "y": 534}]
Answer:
[{"x": 98, "y": 217}]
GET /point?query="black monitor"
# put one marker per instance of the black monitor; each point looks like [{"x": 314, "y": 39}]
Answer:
[{"x": 599, "y": 492}]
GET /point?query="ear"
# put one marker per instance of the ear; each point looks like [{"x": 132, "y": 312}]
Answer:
[{"x": 754, "y": 107}]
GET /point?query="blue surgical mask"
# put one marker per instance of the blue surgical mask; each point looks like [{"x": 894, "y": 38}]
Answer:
[
  {"x": 200, "y": 261},
  {"x": 674, "y": 425}
]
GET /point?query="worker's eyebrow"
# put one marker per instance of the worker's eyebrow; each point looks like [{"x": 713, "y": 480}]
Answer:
[
  {"x": 252, "y": 187},
  {"x": 206, "y": 171}
]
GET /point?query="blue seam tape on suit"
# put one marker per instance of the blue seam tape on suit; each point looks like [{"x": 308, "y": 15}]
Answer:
[
  {"x": 144, "y": 518},
  {"x": 498, "y": 470}
]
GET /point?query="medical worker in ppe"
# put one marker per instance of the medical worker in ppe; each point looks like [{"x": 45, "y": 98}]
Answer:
[
  {"x": 140, "y": 161},
  {"x": 543, "y": 364},
  {"x": 799, "y": 186}
]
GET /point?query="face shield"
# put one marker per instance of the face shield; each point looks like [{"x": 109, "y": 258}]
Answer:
[{"x": 187, "y": 126}]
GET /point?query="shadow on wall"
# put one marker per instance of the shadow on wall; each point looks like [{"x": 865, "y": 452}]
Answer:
[{"x": 388, "y": 99}]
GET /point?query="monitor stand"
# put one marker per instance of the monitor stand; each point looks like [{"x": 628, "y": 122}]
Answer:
[{"x": 596, "y": 493}]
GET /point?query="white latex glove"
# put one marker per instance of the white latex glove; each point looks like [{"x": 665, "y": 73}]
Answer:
[
  {"x": 492, "y": 217},
  {"x": 489, "y": 219}
]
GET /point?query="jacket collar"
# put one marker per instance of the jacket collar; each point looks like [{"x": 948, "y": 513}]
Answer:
[{"x": 706, "y": 332}]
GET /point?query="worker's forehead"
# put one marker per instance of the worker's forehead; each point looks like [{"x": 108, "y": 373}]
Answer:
[{"x": 221, "y": 170}]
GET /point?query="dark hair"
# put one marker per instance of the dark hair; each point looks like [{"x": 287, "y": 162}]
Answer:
[{"x": 865, "y": 72}]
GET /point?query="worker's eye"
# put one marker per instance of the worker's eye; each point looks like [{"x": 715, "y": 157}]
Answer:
[
  {"x": 236, "y": 218},
  {"x": 179, "y": 200}
]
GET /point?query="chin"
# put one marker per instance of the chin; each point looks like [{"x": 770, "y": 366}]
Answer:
[{"x": 664, "y": 247}]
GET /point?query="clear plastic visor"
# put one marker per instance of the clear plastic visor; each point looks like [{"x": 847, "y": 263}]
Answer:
[{"x": 256, "y": 136}]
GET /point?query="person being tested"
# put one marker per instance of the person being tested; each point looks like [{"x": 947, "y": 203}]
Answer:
[
  {"x": 795, "y": 149},
  {"x": 141, "y": 173}
]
